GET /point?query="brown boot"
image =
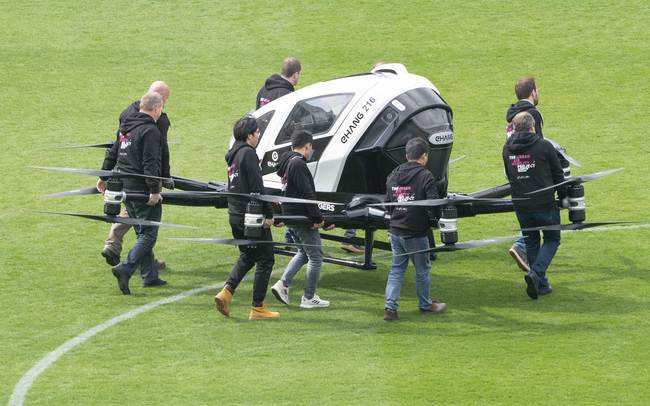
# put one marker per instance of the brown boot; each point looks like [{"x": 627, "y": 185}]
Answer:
[
  {"x": 222, "y": 301},
  {"x": 390, "y": 315},
  {"x": 262, "y": 313}
]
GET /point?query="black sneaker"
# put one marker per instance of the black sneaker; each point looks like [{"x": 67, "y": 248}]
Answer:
[
  {"x": 545, "y": 291},
  {"x": 111, "y": 258},
  {"x": 531, "y": 285},
  {"x": 122, "y": 277},
  {"x": 390, "y": 315},
  {"x": 154, "y": 283}
]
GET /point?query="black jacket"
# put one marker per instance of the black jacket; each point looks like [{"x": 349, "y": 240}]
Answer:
[
  {"x": 410, "y": 181},
  {"x": 138, "y": 151},
  {"x": 532, "y": 163},
  {"x": 275, "y": 87},
  {"x": 525, "y": 105},
  {"x": 163, "y": 125},
  {"x": 298, "y": 182},
  {"x": 244, "y": 176}
]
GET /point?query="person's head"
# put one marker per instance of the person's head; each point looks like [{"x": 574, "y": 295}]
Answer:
[
  {"x": 523, "y": 122},
  {"x": 291, "y": 70},
  {"x": 417, "y": 150},
  {"x": 246, "y": 130},
  {"x": 151, "y": 103},
  {"x": 525, "y": 88},
  {"x": 161, "y": 88},
  {"x": 302, "y": 143}
]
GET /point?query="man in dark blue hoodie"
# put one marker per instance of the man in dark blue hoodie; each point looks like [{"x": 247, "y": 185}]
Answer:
[
  {"x": 408, "y": 228},
  {"x": 531, "y": 163},
  {"x": 245, "y": 176},
  {"x": 140, "y": 146},
  {"x": 277, "y": 86}
]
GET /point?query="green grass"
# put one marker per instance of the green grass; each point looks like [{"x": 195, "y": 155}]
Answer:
[{"x": 68, "y": 69}]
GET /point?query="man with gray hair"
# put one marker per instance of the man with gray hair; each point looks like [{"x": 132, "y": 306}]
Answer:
[
  {"x": 277, "y": 86},
  {"x": 408, "y": 228},
  {"x": 113, "y": 244},
  {"x": 140, "y": 146},
  {"x": 531, "y": 163}
]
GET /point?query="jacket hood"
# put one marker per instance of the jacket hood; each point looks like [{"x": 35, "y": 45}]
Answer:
[
  {"x": 230, "y": 155},
  {"x": 277, "y": 82},
  {"x": 406, "y": 172},
  {"x": 284, "y": 162},
  {"x": 135, "y": 120},
  {"x": 521, "y": 105},
  {"x": 521, "y": 141}
]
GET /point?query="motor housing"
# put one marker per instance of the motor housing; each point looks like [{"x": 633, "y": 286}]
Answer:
[
  {"x": 113, "y": 197},
  {"x": 577, "y": 206},
  {"x": 253, "y": 219},
  {"x": 448, "y": 224}
]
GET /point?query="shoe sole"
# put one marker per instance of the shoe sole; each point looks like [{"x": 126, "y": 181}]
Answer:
[
  {"x": 110, "y": 260},
  {"x": 122, "y": 284},
  {"x": 303, "y": 306},
  {"x": 264, "y": 318},
  {"x": 221, "y": 306},
  {"x": 531, "y": 289},
  {"x": 520, "y": 261},
  {"x": 278, "y": 296}
]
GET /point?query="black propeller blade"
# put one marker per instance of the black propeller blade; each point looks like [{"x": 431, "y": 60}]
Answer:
[
  {"x": 575, "y": 226},
  {"x": 115, "y": 219},
  {"x": 77, "y": 192},
  {"x": 562, "y": 151},
  {"x": 263, "y": 198},
  {"x": 464, "y": 245},
  {"x": 239, "y": 242},
  {"x": 453, "y": 161},
  {"x": 101, "y": 145},
  {"x": 579, "y": 179},
  {"x": 452, "y": 199},
  {"x": 97, "y": 172}
]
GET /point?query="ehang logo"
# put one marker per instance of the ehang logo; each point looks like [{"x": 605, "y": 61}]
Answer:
[
  {"x": 446, "y": 137},
  {"x": 274, "y": 156}
]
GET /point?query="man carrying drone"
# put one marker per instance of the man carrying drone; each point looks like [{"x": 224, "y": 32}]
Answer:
[
  {"x": 140, "y": 152},
  {"x": 531, "y": 163},
  {"x": 245, "y": 176}
]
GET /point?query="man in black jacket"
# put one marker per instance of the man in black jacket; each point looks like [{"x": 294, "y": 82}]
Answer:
[
  {"x": 245, "y": 176},
  {"x": 140, "y": 146},
  {"x": 278, "y": 85},
  {"x": 531, "y": 163},
  {"x": 298, "y": 182},
  {"x": 113, "y": 244},
  {"x": 408, "y": 228}
]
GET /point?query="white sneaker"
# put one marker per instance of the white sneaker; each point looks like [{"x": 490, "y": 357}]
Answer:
[
  {"x": 280, "y": 292},
  {"x": 313, "y": 302}
]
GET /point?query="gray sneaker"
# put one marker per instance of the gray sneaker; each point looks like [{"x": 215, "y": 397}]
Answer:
[{"x": 520, "y": 258}]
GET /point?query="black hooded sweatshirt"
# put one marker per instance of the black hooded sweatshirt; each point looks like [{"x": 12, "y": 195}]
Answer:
[
  {"x": 139, "y": 147},
  {"x": 525, "y": 105},
  {"x": 275, "y": 87},
  {"x": 163, "y": 125},
  {"x": 244, "y": 176},
  {"x": 298, "y": 182},
  {"x": 410, "y": 181},
  {"x": 532, "y": 163}
]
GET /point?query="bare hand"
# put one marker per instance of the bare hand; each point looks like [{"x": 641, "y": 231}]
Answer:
[
  {"x": 316, "y": 226},
  {"x": 330, "y": 227},
  {"x": 280, "y": 224},
  {"x": 154, "y": 199},
  {"x": 268, "y": 223},
  {"x": 101, "y": 186}
]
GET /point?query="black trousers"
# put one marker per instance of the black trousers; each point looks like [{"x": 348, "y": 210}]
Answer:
[{"x": 262, "y": 255}]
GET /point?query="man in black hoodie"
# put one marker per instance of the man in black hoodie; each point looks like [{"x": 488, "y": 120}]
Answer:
[
  {"x": 531, "y": 163},
  {"x": 113, "y": 244},
  {"x": 408, "y": 228},
  {"x": 298, "y": 182},
  {"x": 245, "y": 176},
  {"x": 140, "y": 146},
  {"x": 277, "y": 86}
]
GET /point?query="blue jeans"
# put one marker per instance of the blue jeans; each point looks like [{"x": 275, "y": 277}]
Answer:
[
  {"x": 398, "y": 267},
  {"x": 141, "y": 255},
  {"x": 311, "y": 255},
  {"x": 520, "y": 242},
  {"x": 540, "y": 257}
]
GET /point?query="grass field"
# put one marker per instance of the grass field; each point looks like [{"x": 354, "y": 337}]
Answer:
[{"x": 68, "y": 68}]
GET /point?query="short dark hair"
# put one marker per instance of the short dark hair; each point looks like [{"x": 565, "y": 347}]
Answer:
[
  {"x": 415, "y": 147},
  {"x": 523, "y": 122},
  {"x": 290, "y": 66},
  {"x": 300, "y": 138},
  {"x": 243, "y": 127},
  {"x": 524, "y": 87}
]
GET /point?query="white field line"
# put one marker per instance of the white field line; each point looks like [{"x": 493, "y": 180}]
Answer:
[{"x": 22, "y": 387}]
